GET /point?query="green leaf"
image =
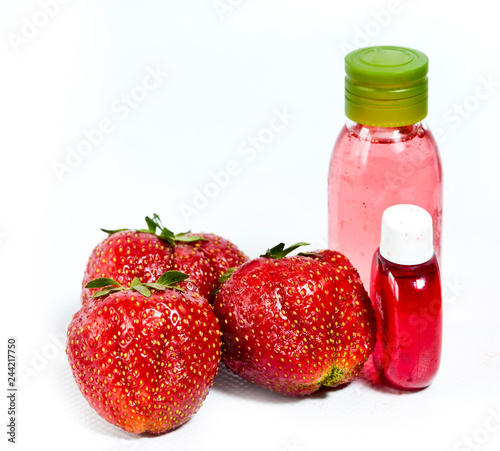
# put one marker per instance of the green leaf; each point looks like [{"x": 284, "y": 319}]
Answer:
[
  {"x": 276, "y": 250},
  {"x": 227, "y": 275},
  {"x": 161, "y": 287},
  {"x": 183, "y": 237},
  {"x": 110, "y": 232},
  {"x": 279, "y": 250},
  {"x": 151, "y": 225},
  {"x": 106, "y": 291},
  {"x": 157, "y": 220},
  {"x": 224, "y": 278},
  {"x": 135, "y": 281},
  {"x": 156, "y": 286},
  {"x": 295, "y": 246},
  {"x": 102, "y": 282},
  {"x": 170, "y": 278},
  {"x": 167, "y": 236},
  {"x": 167, "y": 233},
  {"x": 141, "y": 289}
]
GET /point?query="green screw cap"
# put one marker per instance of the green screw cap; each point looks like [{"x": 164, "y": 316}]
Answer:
[{"x": 386, "y": 86}]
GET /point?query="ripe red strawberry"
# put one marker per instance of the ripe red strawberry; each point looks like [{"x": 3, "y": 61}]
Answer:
[
  {"x": 144, "y": 357},
  {"x": 293, "y": 324},
  {"x": 148, "y": 253}
]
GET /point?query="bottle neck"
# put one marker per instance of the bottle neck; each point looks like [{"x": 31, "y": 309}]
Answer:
[{"x": 385, "y": 134}]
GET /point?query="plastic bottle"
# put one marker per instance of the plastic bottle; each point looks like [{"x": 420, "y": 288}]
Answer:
[
  {"x": 384, "y": 155},
  {"x": 406, "y": 293}
]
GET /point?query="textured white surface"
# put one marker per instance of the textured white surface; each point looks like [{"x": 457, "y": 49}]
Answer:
[{"x": 233, "y": 113}]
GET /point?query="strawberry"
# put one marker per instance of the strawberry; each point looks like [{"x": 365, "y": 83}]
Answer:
[
  {"x": 148, "y": 253},
  {"x": 293, "y": 324},
  {"x": 144, "y": 356}
]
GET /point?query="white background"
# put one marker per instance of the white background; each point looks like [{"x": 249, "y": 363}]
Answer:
[{"x": 223, "y": 70}]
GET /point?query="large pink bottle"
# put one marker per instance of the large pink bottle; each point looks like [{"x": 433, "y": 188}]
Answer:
[{"x": 384, "y": 155}]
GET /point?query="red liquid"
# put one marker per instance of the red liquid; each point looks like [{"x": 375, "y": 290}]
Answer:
[
  {"x": 408, "y": 307},
  {"x": 371, "y": 169}
]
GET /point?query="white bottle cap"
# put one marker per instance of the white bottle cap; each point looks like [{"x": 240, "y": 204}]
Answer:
[{"x": 406, "y": 236}]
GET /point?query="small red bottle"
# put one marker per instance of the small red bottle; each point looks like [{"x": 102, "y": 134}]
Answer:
[{"x": 406, "y": 293}]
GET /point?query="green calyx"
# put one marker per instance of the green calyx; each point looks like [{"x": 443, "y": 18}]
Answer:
[
  {"x": 333, "y": 378},
  {"x": 169, "y": 279},
  {"x": 224, "y": 278},
  {"x": 227, "y": 275},
  {"x": 155, "y": 227},
  {"x": 279, "y": 251}
]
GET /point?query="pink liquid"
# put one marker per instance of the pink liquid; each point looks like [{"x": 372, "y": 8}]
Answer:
[
  {"x": 373, "y": 168},
  {"x": 408, "y": 307}
]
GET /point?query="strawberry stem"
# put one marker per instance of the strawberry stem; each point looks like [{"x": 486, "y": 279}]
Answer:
[{"x": 279, "y": 251}]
